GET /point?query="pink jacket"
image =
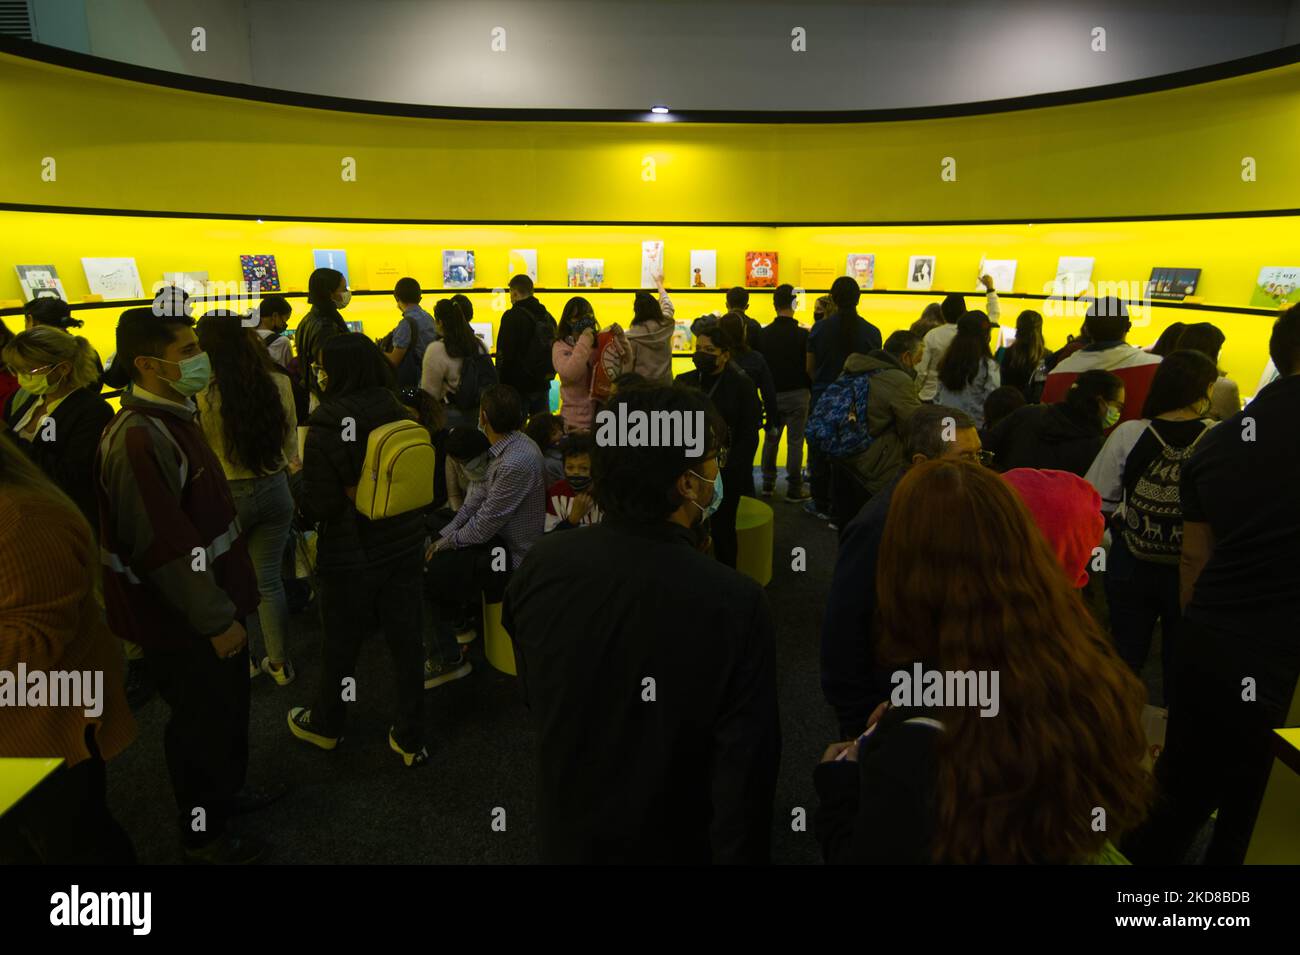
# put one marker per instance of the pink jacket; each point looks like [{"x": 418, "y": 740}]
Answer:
[{"x": 573, "y": 365}]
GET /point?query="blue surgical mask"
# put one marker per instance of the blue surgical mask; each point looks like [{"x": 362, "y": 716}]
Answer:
[
  {"x": 716, "y": 500},
  {"x": 196, "y": 372}
]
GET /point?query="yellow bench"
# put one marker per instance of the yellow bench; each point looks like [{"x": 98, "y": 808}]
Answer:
[
  {"x": 497, "y": 645},
  {"x": 18, "y": 777},
  {"x": 754, "y": 527},
  {"x": 1275, "y": 840}
]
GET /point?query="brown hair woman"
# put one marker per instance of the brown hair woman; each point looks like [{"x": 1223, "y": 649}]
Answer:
[{"x": 968, "y": 583}]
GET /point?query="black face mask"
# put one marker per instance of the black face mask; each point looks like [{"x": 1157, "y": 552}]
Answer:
[
  {"x": 706, "y": 363},
  {"x": 579, "y": 482}
]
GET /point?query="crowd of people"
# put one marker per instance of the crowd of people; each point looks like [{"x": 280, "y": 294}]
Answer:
[{"x": 1009, "y": 511}]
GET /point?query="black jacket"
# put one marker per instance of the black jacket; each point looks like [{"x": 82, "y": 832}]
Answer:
[
  {"x": 349, "y": 541},
  {"x": 784, "y": 344},
  {"x": 736, "y": 398},
  {"x": 519, "y": 355},
  {"x": 69, "y": 459},
  {"x": 1045, "y": 436},
  {"x": 686, "y": 778},
  {"x": 316, "y": 328},
  {"x": 754, "y": 365}
]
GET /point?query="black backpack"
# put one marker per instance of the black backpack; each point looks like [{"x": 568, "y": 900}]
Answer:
[
  {"x": 539, "y": 360},
  {"x": 476, "y": 374},
  {"x": 409, "y": 370},
  {"x": 1152, "y": 517}
]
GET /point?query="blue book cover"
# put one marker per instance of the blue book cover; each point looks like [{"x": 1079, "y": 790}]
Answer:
[{"x": 335, "y": 259}]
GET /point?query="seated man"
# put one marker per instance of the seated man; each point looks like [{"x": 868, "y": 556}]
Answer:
[{"x": 502, "y": 517}]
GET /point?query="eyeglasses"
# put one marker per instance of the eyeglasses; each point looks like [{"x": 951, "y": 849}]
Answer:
[{"x": 978, "y": 457}]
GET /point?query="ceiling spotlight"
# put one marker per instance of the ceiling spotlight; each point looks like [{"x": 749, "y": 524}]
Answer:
[{"x": 661, "y": 110}]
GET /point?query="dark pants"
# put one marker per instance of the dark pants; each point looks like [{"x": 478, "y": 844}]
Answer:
[
  {"x": 66, "y": 821},
  {"x": 206, "y": 737},
  {"x": 848, "y": 493},
  {"x": 1218, "y": 750},
  {"x": 453, "y": 577},
  {"x": 737, "y": 482},
  {"x": 352, "y": 602},
  {"x": 1138, "y": 593},
  {"x": 819, "y": 467}
]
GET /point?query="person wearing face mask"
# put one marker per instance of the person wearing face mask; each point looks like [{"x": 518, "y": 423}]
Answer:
[
  {"x": 648, "y": 750},
  {"x": 1065, "y": 436},
  {"x": 177, "y": 576},
  {"x": 467, "y": 461},
  {"x": 55, "y": 418},
  {"x": 568, "y": 501},
  {"x": 1136, "y": 473},
  {"x": 273, "y": 314},
  {"x": 735, "y": 396},
  {"x": 327, "y": 292}
]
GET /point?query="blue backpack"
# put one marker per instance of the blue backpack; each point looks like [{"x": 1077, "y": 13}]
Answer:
[{"x": 838, "y": 424}]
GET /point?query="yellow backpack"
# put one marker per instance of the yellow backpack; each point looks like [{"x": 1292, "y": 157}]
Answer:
[{"x": 397, "y": 476}]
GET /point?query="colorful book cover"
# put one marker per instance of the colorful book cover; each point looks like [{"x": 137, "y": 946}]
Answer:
[
  {"x": 1001, "y": 271},
  {"x": 113, "y": 278},
  {"x": 1073, "y": 275},
  {"x": 1168, "y": 282},
  {"x": 861, "y": 267},
  {"x": 652, "y": 262},
  {"x": 458, "y": 268},
  {"x": 336, "y": 259},
  {"x": 193, "y": 283},
  {"x": 260, "y": 273},
  {"x": 586, "y": 273},
  {"x": 523, "y": 262},
  {"x": 704, "y": 268},
  {"x": 683, "y": 340},
  {"x": 760, "y": 270},
  {"x": 816, "y": 274},
  {"x": 40, "y": 281},
  {"x": 920, "y": 273},
  {"x": 1276, "y": 286},
  {"x": 382, "y": 274}
]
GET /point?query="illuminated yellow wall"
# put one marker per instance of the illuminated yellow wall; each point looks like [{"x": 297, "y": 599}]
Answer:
[
  {"x": 124, "y": 145},
  {"x": 1230, "y": 252}
]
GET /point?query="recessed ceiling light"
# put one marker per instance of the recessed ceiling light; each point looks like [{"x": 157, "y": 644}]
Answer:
[{"x": 659, "y": 109}]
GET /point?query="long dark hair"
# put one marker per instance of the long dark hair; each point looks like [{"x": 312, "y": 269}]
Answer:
[
  {"x": 1204, "y": 337},
  {"x": 457, "y": 336},
  {"x": 253, "y": 422},
  {"x": 646, "y": 308},
  {"x": 1019, "y": 788},
  {"x": 967, "y": 355},
  {"x": 1168, "y": 340},
  {"x": 574, "y": 309},
  {"x": 1024, "y": 354},
  {"x": 1181, "y": 380},
  {"x": 321, "y": 287},
  {"x": 734, "y": 326},
  {"x": 353, "y": 363}
]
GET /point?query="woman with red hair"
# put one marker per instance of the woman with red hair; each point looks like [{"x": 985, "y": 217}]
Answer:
[{"x": 1047, "y": 771}]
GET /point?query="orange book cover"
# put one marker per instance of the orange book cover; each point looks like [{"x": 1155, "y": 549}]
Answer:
[{"x": 760, "y": 270}]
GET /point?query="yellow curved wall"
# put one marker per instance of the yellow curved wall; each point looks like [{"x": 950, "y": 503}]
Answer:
[{"x": 126, "y": 145}]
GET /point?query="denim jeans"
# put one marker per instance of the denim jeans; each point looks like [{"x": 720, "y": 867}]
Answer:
[
  {"x": 1139, "y": 593},
  {"x": 791, "y": 417},
  {"x": 265, "y": 509}
]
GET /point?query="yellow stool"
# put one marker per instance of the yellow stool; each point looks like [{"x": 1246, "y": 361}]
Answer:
[
  {"x": 754, "y": 525},
  {"x": 20, "y": 776},
  {"x": 497, "y": 645}
]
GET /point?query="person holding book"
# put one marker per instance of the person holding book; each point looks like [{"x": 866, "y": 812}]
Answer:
[
  {"x": 939, "y": 338},
  {"x": 651, "y": 335},
  {"x": 967, "y": 372}
]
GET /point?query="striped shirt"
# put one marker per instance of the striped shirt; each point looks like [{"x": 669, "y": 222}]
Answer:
[{"x": 510, "y": 503}]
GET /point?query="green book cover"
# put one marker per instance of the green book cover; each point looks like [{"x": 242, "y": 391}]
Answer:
[{"x": 1276, "y": 287}]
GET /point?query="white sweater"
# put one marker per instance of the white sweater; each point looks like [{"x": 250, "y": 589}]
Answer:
[{"x": 440, "y": 373}]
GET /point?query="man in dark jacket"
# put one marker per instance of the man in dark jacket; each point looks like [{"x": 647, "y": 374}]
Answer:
[
  {"x": 177, "y": 579},
  {"x": 327, "y": 292},
  {"x": 368, "y": 569},
  {"x": 1065, "y": 436},
  {"x": 735, "y": 397},
  {"x": 850, "y": 681},
  {"x": 784, "y": 343},
  {"x": 649, "y": 750},
  {"x": 524, "y": 346}
]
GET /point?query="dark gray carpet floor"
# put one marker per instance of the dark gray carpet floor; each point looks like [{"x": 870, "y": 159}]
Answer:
[{"x": 358, "y": 804}]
